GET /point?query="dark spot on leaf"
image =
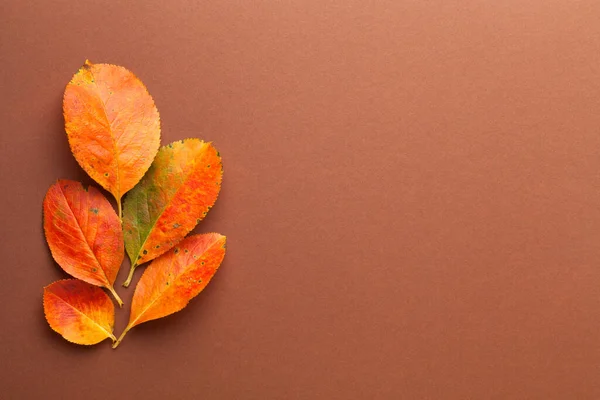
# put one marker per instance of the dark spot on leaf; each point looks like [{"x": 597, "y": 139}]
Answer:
[
  {"x": 186, "y": 250},
  {"x": 176, "y": 225},
  {"x": 200, "y": 281},
  {"x": 202, "y": 263},
  {"x": 176, "y": 251},
  {"x": 218, "y": 154},
  {"x": 167, "y": 283},
  {"x": 94, "y": 269},
  {"x": 94, "y": 210},
  {"x": 145, "y": 251},
  {"x": 182, "y": 141},
  {"x": 208, "y": 166},
  {"x": 157, "y": 246},
  {"x": 106, "y": 174},
  {"x": 197, "y": 220}
]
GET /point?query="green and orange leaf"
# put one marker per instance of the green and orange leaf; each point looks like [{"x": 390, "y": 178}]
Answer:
[
  {"x": 180, "y": 187},
  {"x": 173, "y": 279},
  {"x": 80, "y": 312},
  {"x": 112, "y": 125},
  {"x": 84, "y": 233}
]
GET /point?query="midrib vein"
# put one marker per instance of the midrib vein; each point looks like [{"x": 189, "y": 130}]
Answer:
[
  {"x": 114, "y": 139},
  {"x": 109, "y": 334},
  {"x": 100, "y": 267}
]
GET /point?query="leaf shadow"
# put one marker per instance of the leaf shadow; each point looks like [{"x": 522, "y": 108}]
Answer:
[
  {"x": 161, "y": 329},
  {"x": 63, "y": 161}
]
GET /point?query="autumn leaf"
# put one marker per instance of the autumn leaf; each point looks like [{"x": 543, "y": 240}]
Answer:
[
  {"x": 173, "y": 279},
  {"x": 112, "y": 125},
  {"x": 84, "y": 233},
  {"x": 80, "y": 312},
  {"x": 180, "y": 187}
]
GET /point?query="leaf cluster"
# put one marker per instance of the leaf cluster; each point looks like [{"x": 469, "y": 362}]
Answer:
[{"x": 161, "y": 194}]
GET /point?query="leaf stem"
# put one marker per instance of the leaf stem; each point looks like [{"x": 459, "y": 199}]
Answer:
[
  {"x": 130, "y": 276},
  {"x": 119, "y": 209},
  {"x": 115, "y": 295},
  {"x": 115, "y": 344}
]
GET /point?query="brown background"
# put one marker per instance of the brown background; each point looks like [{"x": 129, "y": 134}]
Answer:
[{"x": 411, "y": 197}]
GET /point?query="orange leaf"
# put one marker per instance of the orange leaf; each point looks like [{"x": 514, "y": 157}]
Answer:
[
  {"x": 84, "y": 233},
  {"x": 80, "y": 312},
  {"x": 112, "y": 124},
  {"x": 180, "y": 187},
  {"x": 176, "y": 277}
]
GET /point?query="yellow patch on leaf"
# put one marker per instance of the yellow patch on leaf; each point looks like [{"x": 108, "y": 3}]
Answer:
[{"x": 79, "y": 312}]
